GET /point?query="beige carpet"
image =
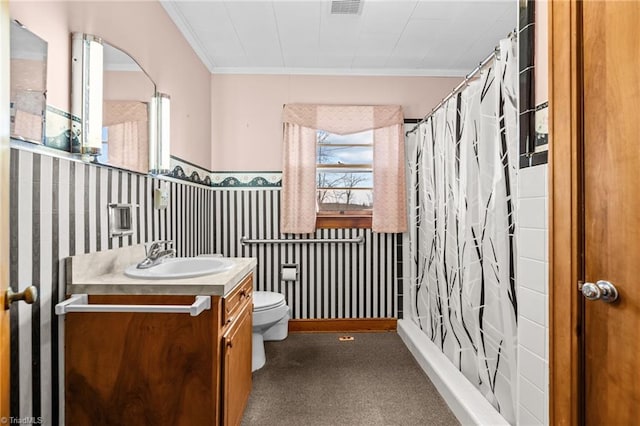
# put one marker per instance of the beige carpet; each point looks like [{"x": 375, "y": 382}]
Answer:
[{"x": 314, "y": 379}]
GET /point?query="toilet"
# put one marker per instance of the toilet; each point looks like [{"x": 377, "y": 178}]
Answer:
[{"x": 270, "y": 322}]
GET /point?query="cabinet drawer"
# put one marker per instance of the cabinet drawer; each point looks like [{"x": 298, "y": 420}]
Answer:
[{"x": 237, "y": 299}]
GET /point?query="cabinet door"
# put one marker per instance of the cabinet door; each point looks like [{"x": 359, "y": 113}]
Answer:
[
  {"x": 142, "y": 369},
  {"x": 236, "y": 374}
]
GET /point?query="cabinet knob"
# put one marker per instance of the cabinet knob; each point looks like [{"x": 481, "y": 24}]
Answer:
[{"x": 229, "y": 344}]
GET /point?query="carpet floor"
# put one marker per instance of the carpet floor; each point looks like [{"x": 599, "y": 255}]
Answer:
[{"x": 315, "y": 379}]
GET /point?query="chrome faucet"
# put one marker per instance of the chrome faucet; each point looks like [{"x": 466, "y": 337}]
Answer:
[{"x": 155, "y": 254}]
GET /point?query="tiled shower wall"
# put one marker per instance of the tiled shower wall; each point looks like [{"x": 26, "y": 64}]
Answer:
[
  {"x": 533, "y": 271},
  {"x": 59, "y": 209}
]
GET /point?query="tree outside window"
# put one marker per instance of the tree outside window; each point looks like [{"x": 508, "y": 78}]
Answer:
[{"x": 344, "y": 173}]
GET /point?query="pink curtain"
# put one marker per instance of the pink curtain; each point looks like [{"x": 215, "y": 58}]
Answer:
[
  {"x": 125, "y": 147},
  {"x": 389, "y": 194},
  {"x": 298, "y": 197},
  {"x": 128, "y": 142}
]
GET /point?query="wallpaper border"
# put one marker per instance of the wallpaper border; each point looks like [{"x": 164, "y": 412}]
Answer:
[{"x": 184, "y": 170}]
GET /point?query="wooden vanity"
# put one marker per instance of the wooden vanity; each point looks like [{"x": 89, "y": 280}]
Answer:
[{"x": 137, "y": 368}]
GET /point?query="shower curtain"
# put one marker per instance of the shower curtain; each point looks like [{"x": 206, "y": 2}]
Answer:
[{"x": 463, "y": 165}]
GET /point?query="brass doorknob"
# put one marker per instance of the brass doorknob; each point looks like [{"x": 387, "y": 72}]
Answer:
[{"x": 29, "y": 295}]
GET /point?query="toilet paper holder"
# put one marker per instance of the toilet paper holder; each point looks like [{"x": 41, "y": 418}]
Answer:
[{"x": 289, "y": 272}]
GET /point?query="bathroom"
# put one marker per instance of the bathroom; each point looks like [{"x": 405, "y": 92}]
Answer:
[{"x": 226, "y": 162}]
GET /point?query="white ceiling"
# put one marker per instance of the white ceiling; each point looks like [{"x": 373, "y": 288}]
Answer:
[{"x": 387, "y": 37}]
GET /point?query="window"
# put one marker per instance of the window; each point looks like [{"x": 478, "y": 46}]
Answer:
[
  {"x": 327, "y": 179},
  {"x": 344, "y": 179}
]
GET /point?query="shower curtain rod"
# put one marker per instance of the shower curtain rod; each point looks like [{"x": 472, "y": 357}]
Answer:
[{"x": 496, "y": 51}]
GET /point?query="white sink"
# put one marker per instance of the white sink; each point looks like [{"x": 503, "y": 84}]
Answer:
[{"x": 181, "y": 267}]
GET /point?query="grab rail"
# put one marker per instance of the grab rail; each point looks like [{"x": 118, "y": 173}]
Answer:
[
  {"x": 80, "y": 303},
  {"x": 358, "y": 240}
]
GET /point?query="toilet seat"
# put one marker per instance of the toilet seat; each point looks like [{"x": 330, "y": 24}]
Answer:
[{"x": 265, "y": 300}]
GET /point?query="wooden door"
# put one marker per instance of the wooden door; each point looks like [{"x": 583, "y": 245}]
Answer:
[
  {"x": 594, "y": 101},
  {"x": 236, "y": 375},
  {"x": 611, "y": 188},
  {"x": 4, "y": 208}
]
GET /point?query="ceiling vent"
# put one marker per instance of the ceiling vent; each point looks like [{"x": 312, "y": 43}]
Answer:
[{"x": 346, "y": 7}]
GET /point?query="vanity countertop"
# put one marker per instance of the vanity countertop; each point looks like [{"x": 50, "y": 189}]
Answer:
[{"x": 102, "y": 273}]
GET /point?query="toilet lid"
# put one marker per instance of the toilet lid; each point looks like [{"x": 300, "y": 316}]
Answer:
[{"x": 263, "y": 300}]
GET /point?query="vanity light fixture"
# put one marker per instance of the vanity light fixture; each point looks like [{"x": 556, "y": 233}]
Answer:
[
  {"x": 159, "y": 134},
  {"x": 86, "y": 95}
]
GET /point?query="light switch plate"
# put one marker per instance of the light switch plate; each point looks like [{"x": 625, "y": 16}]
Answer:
[{"x": 160, "y": 198}]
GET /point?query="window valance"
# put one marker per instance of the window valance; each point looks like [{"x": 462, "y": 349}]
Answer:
[{"x": 343, "y": 119}]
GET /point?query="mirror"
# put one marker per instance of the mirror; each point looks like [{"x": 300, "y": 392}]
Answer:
[
  {"x": 115, "y": 101},
  {"x": 28, "y": 100},
  {"x": 125, "y": 112}
]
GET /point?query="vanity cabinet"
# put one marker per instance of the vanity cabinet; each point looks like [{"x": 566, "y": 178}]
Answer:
[
  {"x": 236, "y": 360},
  {"x": 236, "y": 368},
  {"x": 124, "y": 368}
]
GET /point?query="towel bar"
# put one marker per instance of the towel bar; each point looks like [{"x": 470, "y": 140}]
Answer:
[
  {"x": 358, "y": 240},
  {"x": 80, "y": 303}
]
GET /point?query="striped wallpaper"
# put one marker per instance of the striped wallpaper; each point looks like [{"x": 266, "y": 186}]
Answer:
[
  {"x": 59, "y": 209},
  {"x": 335, "y": 280}
]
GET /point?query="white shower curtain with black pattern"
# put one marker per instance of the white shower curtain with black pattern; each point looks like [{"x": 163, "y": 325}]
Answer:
[{"x": 463, "y": 165}]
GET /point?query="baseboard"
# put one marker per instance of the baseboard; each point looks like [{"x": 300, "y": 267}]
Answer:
[{"x": 338, "y": 325}]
